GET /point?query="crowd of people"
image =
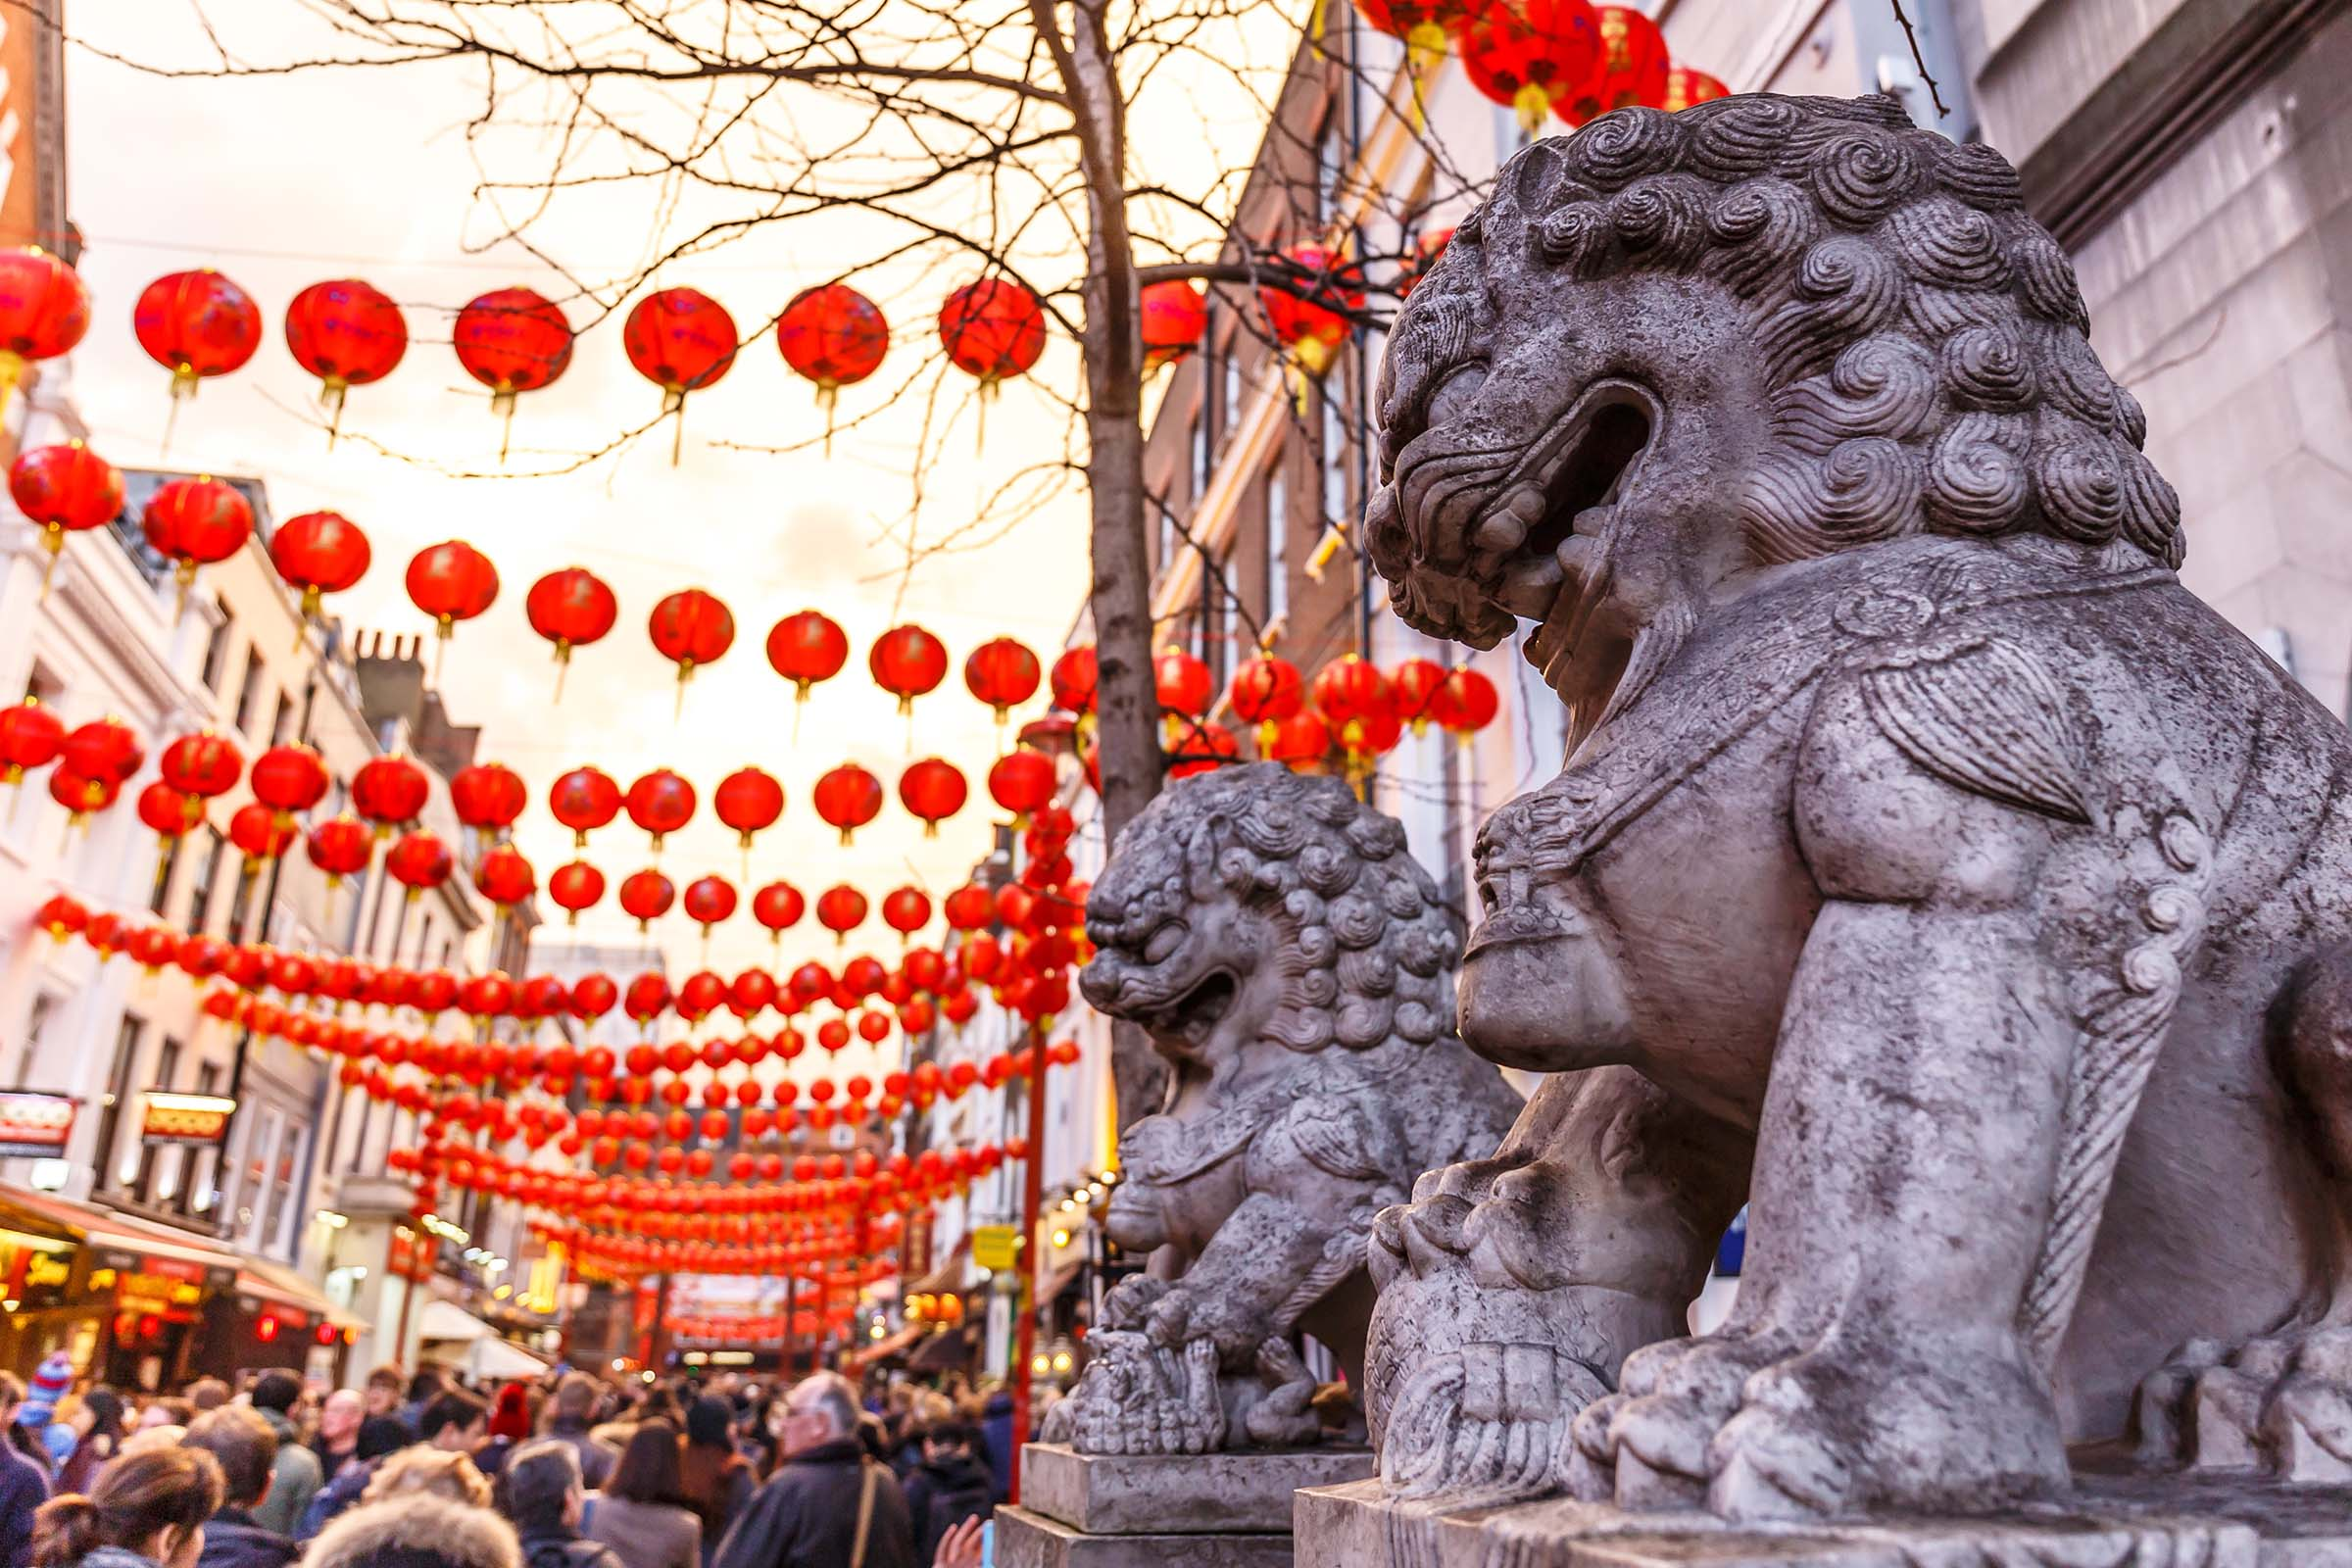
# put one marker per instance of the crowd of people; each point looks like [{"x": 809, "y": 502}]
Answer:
[{"x": 572, "y": 1472}]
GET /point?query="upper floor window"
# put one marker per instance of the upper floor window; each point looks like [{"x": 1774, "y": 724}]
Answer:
[
  {"x": 1278, "y": 545},
  {"x": 215, "y": 650},
  {"x": 249, "y": 695}
]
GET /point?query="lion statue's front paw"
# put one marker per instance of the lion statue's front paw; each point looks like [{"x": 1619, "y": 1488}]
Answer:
[{"x": 1141, "y": 1398}]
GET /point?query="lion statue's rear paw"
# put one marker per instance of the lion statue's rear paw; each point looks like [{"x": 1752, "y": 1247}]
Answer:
[{"x": 2280, "y": 1405}]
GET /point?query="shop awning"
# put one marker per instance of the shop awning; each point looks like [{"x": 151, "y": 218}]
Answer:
[
  {"x": 496, "y": 1359},
  {"x": 943, "y": 1352},
  {"x": 100, "y": 1227},
  {"x": 896, "y": 1344},
  {"x": 446, "y": 1320},
  {"x": 273, "y": 1282},
  {"x": 947, "y": 1274}
]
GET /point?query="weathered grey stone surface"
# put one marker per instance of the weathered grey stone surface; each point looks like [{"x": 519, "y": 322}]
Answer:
[
  {"x": 1931, "y": 870},
  {"x": 1119, "y": 1494},
  {"x": 2114, "y": 1521},
  {"x": 1027, "y": 1540},
  {"x": 1297, "y": 967}
]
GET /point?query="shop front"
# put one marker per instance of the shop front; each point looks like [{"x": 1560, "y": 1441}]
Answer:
[
  {"x": 124, "y": 1297},
  {"x": 270, "y": 1317}
]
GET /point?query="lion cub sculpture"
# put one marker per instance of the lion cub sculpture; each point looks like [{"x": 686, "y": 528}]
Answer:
[
  {"x": 1930, "y": 872},
  {"x": 1296, "y": 967}
]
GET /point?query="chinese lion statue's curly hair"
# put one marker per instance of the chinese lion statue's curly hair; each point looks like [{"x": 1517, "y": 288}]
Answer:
[
  {"x": 1923, "y": 337},
  {"x": 1370, "y": 949}
]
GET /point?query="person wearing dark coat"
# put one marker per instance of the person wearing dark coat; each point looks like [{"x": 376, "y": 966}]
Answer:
[
  {"x": 244, "y": 1443},
  {"x": 996, "y": 1440},
  {"x": 379, "y": 1435},
  {"x": 540, "y": 1494},
  {"x": 950, "y": 1485},
  {"x": 825, "y": 1493},
  {"x": 24, "y": 1484}
]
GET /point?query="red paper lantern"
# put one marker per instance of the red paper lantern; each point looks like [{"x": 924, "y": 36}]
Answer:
[
  {"x": 1309, "y": 317},
  {"x": 1532, "y": 56},
  {"x": 504, "y": 876},
  {"x": 289, "y": 779},
  {"x": 748, "y": 800},
  {"x": 933, "y": 788},
  {"x": 44, "y": 310},
  {"x": 1686, "y": 86},
  {"x": 80, "y": 795},
  {"x": 708, "y": 901},
  {"x": 691, "y": 627},
  {"x": 1174, "y": 316},
  {"x": 452, "y": 582},
  {"x": 202, "y": 767},
  {"x": 572, "y": 608},
  {"x": 970, "y": 907},
  {"x": 832, "y": 335},
  {"x": 806, "y": 649},
  {"x": 30, "y": 736},
  {"x": 319, "y": 553},
  {"x": 196, "y": 521},
  {"x": 1001, "y": 673},
  {"x": 1182, "y": 683},
  {"x": 1633, "y": 67},
  {"x": 583, "y": 801},
  {"x": 487, "y": 795},
  {"x": 260, "y": 834},
  {"x": 1420, "y": 25},
  {"x": 1357, "y": 703},
  {"x": 347, "y": 333},
  {"x": 196, "y": 325},
  {"x": 909, "y": 661},
  {"x": 1264, "y": 692},
  {"x": 841, "y": 910},
  {"x": 169, "y": 812},
  {"x": 681, "y": 340},
  {"x": 847, "y": 798},
  {"x": 778, "y": 907},
  {"x": 512, "y": 340},
  {"x": 906, "y": 910},
  {"x": 66, "y": 488},
  {"x": 1021, "y": 782},
  {"x": 575, "y": 887},
  {"x": 992, "y": 329},
  {"x": 1465, "y": 702},
  {"x": 661, "y": 802},
  {"x": 340, "y": 847},
  {"x": 646, "y": 897},
  {"x": 389, "y": 791},
  {"x": 1073, "y": 679},
  {"x": 1201, "y": 746},
  {"x": 420, "y": 862},
  {"x": 1412, "y": 687}
]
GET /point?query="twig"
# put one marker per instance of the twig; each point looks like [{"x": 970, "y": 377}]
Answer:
[{"x": 1934, "y": 95}]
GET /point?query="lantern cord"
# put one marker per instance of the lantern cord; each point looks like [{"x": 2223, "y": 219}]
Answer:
[
  {"x": 331, "y": 398},
  {"x": 57, "y": 544},
  {"x": 163, "y": 448},
  {"x": 562, "y": 668},
  {"x": 440, "y": 647},
  {"x": 502, "y": 404}
]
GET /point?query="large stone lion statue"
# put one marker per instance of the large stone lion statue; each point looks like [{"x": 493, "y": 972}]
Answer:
[
  {"x": 1930, "y": 872},
  {"x": 1296, "y": 967}
]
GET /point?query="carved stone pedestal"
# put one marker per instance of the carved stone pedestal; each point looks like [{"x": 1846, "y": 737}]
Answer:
[
  {"x": 2112, "y": 1522},
  {"x": 1214, "y": 1511}
]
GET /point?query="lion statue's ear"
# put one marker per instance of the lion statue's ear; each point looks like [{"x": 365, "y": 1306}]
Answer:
[{"x": 1201, "y": 853}]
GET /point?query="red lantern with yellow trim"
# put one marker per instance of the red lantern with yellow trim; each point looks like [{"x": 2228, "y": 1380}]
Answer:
[
  {"x": 807, "y": 648},
  {"x": 1412, "y": 687},
  {"x": 646, "y": 897},
  {"x": 748, "y": 800},
  {"x": 708, "y": 900},
  {"x": 1002, "y": 673},
  {"x": 1073, "y": 679},
  {"x": 778, "y": 907},
  {"x": 841, "y": 910},
  {"x": 451, "y": 581},
  {"x": 1309, "y": 314},
  {"x": 908, "y": 661},
  {"x": 1633, "y": 67},
  {"x": 572, "y": 608},
  {"x": 1021, "y": 782},
  {"x": 389, "y": 791},
  {"x": 347, "y": 333},
  {"x": 341, "y": 847},
  {"x": 512, "y": 340},
  {"x": 420, "y": 862},
  {"x": 834, "y": 337},
  {"x": 1264, "y": 692},
  {"x": 319, "y": 553},
  {"x": 260, "y": 834},
  {"x": 1301, "y": 742},
  {"x": 1201, "y": 746},
  {"x": 575, "y": 887},
  {"x": 1686, "y": 86},
  {"x": 1175, "y": 317},
  {"x": 488, "y": 797},
  {"x": 66, "y": 488},
  {"x": 1181, "y": 684},
  {"x": 289, "y": 779},
  {"x": 661, "y": 802},
  {"x": 933, "y": 788},
  {"x": 30, "y": 736},
  {"x": 690, "y": 628},
  {"x": 505, "y": 877},
  {"x": 583, "y": 801},
  {"x": 197, "y": 325},
  {"x": 1465, "y": 702},
  {"x": 681, "y": 340},
  {"x": 906, "y": 910},
  {"x": 196, "y": 521},
  {"x": 202, "y": 767},
  {"x": 1530, "y": 56},
  {"x": 992, "y": 329},
  {"x": 847, "y": 798},
  {"x": 44, "y": 310}
]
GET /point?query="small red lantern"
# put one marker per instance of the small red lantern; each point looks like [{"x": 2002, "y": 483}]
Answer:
[
  {"x": 504, "y": 876},
  {"x": 681, "y": 340},
  {"x": 389, "y": 791},
  {"x": 1686, "y": 86},
  {"x": 847, "y": 798},
  {"x": 103, "y": 754},
  {"x": 992, "y": 329},
  {"x": 970, "y": 907},
  {"x": 778, "y": 907},
  {"x": 30, "y": 736},
  {"x": 1465, "y": 702},
  {"x": 689, "y": 628},
  {"x": 420, "y": 862},
  {"x": 1021, "y": 782},
  {"x": 260, "y": 834},
  {"x": 748, "y": 800},
  {"x": 841, "y": 910},
  {"x": 194, "y": 522},
  {"x": 1309, "y": 317},
  {"x": 1357, "y": 703},
  {"x": 44, "y": 310},
  {"x": 583, "y": 800},
  {"x": 167, "y": 810},
  {"x": 575, "y": 887},
  {"x": 806, "y": 649},
  {"x": 1002, "y": 673},
  {"x": 933, "y": 788},
  {"x": 1264, "y": 692},
  {"x": 708, "y": 901},
  {"x": 1412, "y": 687},
  {"x": 319, "y": 553},
  {"x": 906, "y": 910},
  {"x": 452, "y": 582},
  {"x": 1201, "y": 746},
  {"x": 66, "y": 488},
  {"x": 347, "y": 333},
  {"x": 196, "y": 325},
  {"x": 1420, "y": 25},
  {"x": 1633, "y": 67},
  {"x": 340, "y": 847},
  {"x": 202, "y": 766},
  {"x": 1175, "y": 316},
  {"x": 289, "y": 779},
  {"x": 909, "y": 661},
  {"x": 1073, "y": 679},
  {"x": 646, "y": 897},
  {"x": 487, "y": 795},
  {"x": 834, "y": 337},
  {"x": 80, "y": 795},
  {"x": 572, "y": 608},
  {"x": 661, "y": 802},
  {"x": 1530, "y": 56},
  {"x": 1183, "y": 685},
  {"x": 512, "y": 340}
]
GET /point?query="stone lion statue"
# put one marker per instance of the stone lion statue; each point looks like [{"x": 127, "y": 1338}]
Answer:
[
  {"x": 1930, "y": 872},
  {"x": 1296, "y": 967}
]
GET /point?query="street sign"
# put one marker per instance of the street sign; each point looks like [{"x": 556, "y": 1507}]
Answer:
[{"x": 993, "y": 1246}]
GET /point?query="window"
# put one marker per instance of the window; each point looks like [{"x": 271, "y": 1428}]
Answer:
[
  {"x": 1202, "y": 438},
  {"x": 215, "y": 650},
  {"x": 1168, "y": 538},
  {"x": 1233, "y": 383},
  {"x": 1335, "y": 463},
  {"x": 1278, "y": 545},
  {"x": 166, "y": 864},
  {"x": 1329, "y": 172},
  {"x": 357, "y": 908},
  {"x": 249, "y": 695},
  {"x": 109, "y": 1115},
  {"x": 28, "y": 1054},
  {"x": 1216, "y": 622},
  {"x": 240, "y": 907},
  {"x": 282, "y": 720},
  {"x": 208, "y": 871}
]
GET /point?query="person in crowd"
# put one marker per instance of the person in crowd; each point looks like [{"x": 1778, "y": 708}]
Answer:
[
  {"x": 206, "y": 1393},
  {"x": 380, "y": 1436},
  {"x": 540, "y": 1493},
  {"x": 296, "y": 1474},
  {"x": 432, "y": 1472},
  {"x": 637, "y": 1511},
  {"x": 950, "y": 1485},
  {"x": 423, "y": 1389},
  {"x": 242, "y": 1442},
  {"x": 828, "y": 1505},
  {"x": 714, "y": 1480},
  {"x": 996, "y": 1439},
  {"x": 453, "y": 1421},
  {"x": 96, "y": 1423},
  {"x": 509, "y": 1427},
  {"x": 24, "y": 1484},
  {"x": 51, "y": 1389},
  {"x": 337, "y": 1440},
  {"x": 384, "y": 1386},
  {"x": 416, "y": 1531},
  {"x": 16, "y": 1436},
  {"x": 147, "y": 1511},
  {"x": 963, "y": 1545},
  {"x": 165, "y": 1413},
  {"x": 573, "y": 1423}
]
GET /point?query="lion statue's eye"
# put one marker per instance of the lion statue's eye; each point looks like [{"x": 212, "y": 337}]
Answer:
[
  {"x": 1453, "y": 394},
  {"x": 1164, "y": 941}
]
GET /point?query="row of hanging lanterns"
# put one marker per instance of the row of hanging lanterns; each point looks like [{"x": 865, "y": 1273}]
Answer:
[{"x": 1568, "y": 59}]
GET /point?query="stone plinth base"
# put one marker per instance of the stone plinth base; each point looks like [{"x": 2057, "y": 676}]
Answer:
[
  {"x": 1216, "y": 1510},
  {"x": 2112, "y": 1522}
]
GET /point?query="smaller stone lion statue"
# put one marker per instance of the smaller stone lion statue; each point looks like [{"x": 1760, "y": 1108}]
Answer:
[{"x": 1296, "y": 967}]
